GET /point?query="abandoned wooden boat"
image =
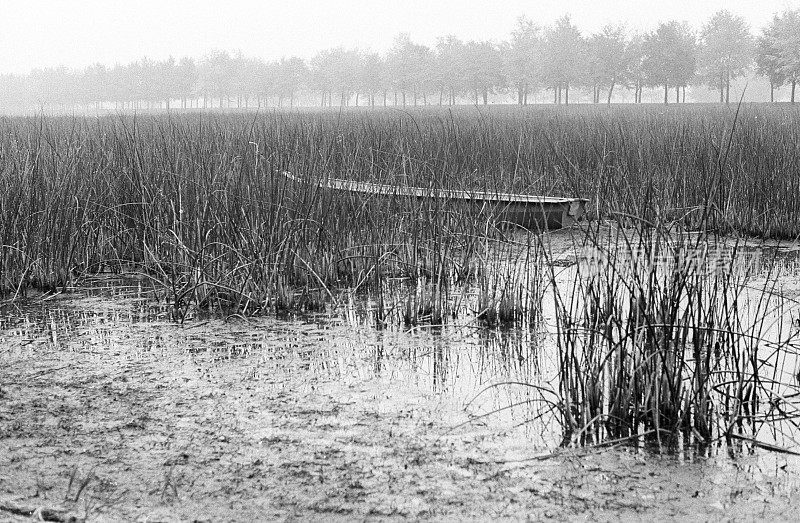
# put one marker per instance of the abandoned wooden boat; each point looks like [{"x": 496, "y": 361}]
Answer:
[{"x": 521, "y": 210}]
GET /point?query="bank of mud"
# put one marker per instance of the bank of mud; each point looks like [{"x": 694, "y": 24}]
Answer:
[{"x": 116, "y": 415}]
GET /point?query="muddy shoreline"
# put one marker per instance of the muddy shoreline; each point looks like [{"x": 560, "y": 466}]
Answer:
[{"x": 106, "y": 417}]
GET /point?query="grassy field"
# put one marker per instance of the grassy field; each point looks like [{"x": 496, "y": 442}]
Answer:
[{"x": 200, "y": 197}]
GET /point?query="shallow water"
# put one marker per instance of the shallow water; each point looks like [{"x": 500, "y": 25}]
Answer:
[
  {"x": 463, "y": 367},
  {"x": 105, "y": 371},
  {"x": 491, "y": 375}
]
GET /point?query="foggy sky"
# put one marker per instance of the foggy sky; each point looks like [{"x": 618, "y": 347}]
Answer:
[{"x": 39, "y": 33}]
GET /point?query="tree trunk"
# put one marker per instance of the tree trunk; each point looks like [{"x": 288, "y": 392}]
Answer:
[
  {"x": 666, "y": 93},
  {"x": 771, "y": 91},
  {"x": 794, "y": 83},
  {"x": 677, "y": 94},
  {"x": 566, "y": 94},
  {"x": 728, "y": 87},
  {"x": 610, "y": 91},
  {"x": 485, "y": 96}
]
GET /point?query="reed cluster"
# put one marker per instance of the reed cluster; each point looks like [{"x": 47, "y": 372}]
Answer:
[
  {"x": 201, "y": 206},
  {"x": 678, "y": 335},
  {"x": 660, "y": 331},
  {"x": 198, "y": 201}
]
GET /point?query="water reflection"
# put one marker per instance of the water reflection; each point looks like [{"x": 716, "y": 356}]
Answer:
[
  {"x": 482, "y": 370},
  {"x": 506, "y": 379}
]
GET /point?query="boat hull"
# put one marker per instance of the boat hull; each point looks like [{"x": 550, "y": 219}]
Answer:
[{"x": 504, "y": 209}]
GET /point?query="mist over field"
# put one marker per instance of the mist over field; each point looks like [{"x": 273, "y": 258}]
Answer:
[{"x": 718, "y": 58}]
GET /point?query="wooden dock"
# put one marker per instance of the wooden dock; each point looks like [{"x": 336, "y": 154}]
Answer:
[{"x": 521, "y": 210}]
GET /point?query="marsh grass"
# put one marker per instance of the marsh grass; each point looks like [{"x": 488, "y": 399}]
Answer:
[
  {"x": 660, "y": 332},
  {"x": 674, "y": 333},
  {"x": 197, "y": 201},
  {"x": 511, "y": 284}
]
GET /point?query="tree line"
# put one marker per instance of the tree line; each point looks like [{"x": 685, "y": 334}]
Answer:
[{"x": 557, "y": 59}]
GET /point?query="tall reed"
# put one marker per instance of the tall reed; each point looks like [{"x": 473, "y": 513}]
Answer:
[
  {"x": 668, "y": 332},
  {"x": 198, "y": 201}
]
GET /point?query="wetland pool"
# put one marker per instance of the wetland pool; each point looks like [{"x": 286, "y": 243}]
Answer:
[{"x": 109, "y": 410}]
